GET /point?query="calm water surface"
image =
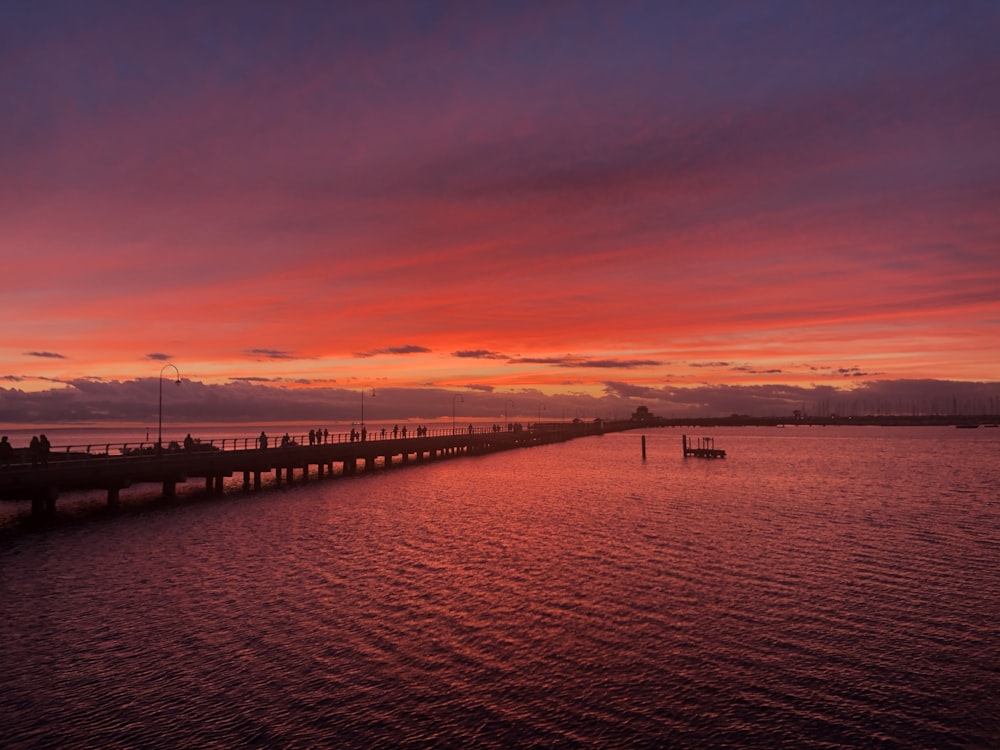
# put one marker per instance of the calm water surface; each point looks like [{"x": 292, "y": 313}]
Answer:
[{"x": 834, "y": 587}]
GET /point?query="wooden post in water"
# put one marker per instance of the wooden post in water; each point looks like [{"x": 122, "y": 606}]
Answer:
[{"x": 643, "y": 447}]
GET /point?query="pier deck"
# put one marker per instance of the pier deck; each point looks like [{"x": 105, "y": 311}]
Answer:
[{"x": 76, "y": 469}]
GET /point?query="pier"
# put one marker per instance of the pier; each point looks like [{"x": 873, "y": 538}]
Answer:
[
  {"x": 704, "y": 448},
  {"x": 116, "y": 467}
]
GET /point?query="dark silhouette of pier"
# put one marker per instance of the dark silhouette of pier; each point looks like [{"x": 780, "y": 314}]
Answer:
[{"x": 88, "y": 468}]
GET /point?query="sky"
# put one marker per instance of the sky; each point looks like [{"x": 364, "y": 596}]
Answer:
[{"x": 551, "y": 209}]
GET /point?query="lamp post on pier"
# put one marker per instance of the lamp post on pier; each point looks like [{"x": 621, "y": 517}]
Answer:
[
  {"x": 363, "y": 406},
  {"x": 459, "y": 397},
  {"x": 159, "y": 428}
]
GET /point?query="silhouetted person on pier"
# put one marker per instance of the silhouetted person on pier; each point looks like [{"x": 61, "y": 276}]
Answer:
[
  {"x": 364, "y": 434},
  {"x": 312, "y": 437},
  {"x": 383, "y": 433},
  {"x": 262, "y": 441},
  {"x": 395, "y": 431},
  {"x": 6, "y": 452},
  {"x": 326, "y": 435},
  {"x": 404, "y": 430},
  {"x": 45, "y": 448},
  {"x": 470, "y": 429},
  {"x": 189, "y": 442},
  {"x": 34, "y": 449}
]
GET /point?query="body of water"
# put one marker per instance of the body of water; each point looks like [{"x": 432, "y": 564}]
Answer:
[{"x": 820, "y": 587}]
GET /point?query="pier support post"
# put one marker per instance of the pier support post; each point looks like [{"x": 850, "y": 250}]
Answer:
[
  {"x": 43, "y": 502},
  {"x": 246, "y": 481},
  {"x": 169, "y": 490},
  {"x": 114, "y": 497},
  {"x": 256, "y": 480}
]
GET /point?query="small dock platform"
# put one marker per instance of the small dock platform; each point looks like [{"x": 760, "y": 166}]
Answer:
[{"x": 703, "y": 447}]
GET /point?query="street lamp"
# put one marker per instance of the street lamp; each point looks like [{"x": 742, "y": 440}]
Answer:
[
  {"x": 159, "y": 429},
  {"x": 363, "y": 406},
  {"x": 459, "y": 397}
]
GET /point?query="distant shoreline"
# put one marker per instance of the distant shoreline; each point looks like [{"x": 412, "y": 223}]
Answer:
[{"x": 951, "y": 420}]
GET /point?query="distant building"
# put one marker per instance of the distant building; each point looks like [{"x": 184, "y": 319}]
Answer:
[{"x": 641, "y": 414}]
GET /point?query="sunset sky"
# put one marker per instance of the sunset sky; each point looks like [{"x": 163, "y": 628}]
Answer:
[{"x": 643, "y": 202}]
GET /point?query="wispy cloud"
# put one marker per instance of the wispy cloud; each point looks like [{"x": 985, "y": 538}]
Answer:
[
  {"x": 585, "y": 362},
  {"x": 271, "y": 354},
  {"x": 478, "y": 354},
  {"x": 45, "y": 355},
  {"x": 854, "y": 372},
  {"x": 756, "y": 371},
  {"x": 615, "y": 364},
  {"x": 393, "y": 350}
]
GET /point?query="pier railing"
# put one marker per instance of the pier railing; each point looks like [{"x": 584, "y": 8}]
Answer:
[
  {"x": 41, "y": 476},
  {"x": 109, "y": 450}
]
